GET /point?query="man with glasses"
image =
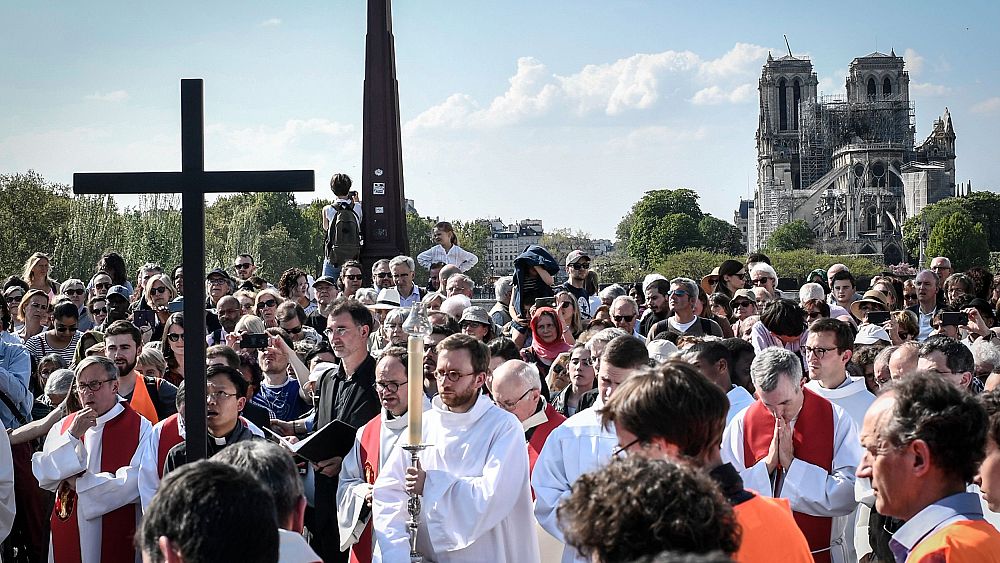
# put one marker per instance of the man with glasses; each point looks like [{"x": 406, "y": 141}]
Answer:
[
  {"x": 373, "y": 445},
  {"x": 624, "y": 311},
  {"x": 949, "y": 359},
  {"x": 681, "y": 299},
  {"x": 583, "y": 443},
  {"x": 577, "y": 269},
  {"x": 381, "y": 276},
  {"x": 928, "y": 302},
  {"x": 326, "y": 290},
  {"x": 473, "y": 476},
  {"x": 402, "y": 276},
  {"x": 292, "y": 319},
  {"x": 244, "y": 267},
  {"x": 517, "y": 390},
  {"x": 829, "y": 347},
  {"x": 347, "y": 393},
  {"x": 792, "y": 443},
  {"x": 219, "y": 285},
  {"x": 91, "y": 461},
  {"x": 225, "y": 396},
  {"x": 941, "y": 266}
]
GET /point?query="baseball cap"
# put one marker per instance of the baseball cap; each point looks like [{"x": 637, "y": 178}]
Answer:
[
  {"x": 325, "y": 279},
  {"x": 120, "y": 290},
  {"x": 575, "y": 257}
]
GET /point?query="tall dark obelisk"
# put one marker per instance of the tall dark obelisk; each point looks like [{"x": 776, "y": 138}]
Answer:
[{"x": 381, "y": 189}]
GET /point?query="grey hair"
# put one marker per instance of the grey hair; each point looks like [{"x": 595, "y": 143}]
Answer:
[
  {"x": 399, "y": 314},
  {"x": 272, "y": 466},
  {"x": 612, "y": 291},
  {"x": 811, "y": 291},
  {"x": 69, "y": 283},
  {"x": 523, "y": 371},
  {"x": 380, "y": 263},
  {"x": 462, "y": 278},
  {"x": 108, "y": 365},
  {"x": 766, "y": 268},
  {"x": 688, "y": 284},
  {"x": 626, "y": 299},
  {"x": 772, "y": 363},
  {"x": 251, "y": 324},
  {"x": 605, "y": 335},
  {"x": 366, "y": 295},
  {"x": 884, "y": 355},
  {"x": 987, "y": 352},
  {"x": 59, "y": 382},
  {"x": 504, "y": 287},
  {"x": 402, "y": 260}
]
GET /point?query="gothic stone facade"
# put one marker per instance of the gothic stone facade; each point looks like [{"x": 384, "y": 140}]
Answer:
[{"x": 847, "y": 165}]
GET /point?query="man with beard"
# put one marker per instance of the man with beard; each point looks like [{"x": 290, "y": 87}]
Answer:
[
  {"x": 154, "y": 398},
  {"x": 381, "y": 275},
  {"x": 244, "y": 268},
  {"x": 473, "y": 477},
  {"x": 346, "y": 393},
  {"x": 229, "y": 312},
  {"x": 119, "y": 299},
  {"x": 438, "y": 333}
]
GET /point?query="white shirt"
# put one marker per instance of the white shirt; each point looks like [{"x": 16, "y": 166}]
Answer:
[
  {"x": 6, "y": 485},
  {"x": 810, "y": 489},
  {"x": 456, "y": 256},
  {"x": 352, "y": 487},
  {"x": 579, "y": 445},
  {"x": 852, "y": 395},
  {"x": 739, "y": 399},
  {"x": 295, "y": 549},
  {"x": 476, "y": 504},
  {"x": 98, "y": 492}
]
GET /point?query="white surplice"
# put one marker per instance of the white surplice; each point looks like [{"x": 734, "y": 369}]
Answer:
[
  {"x": 810, "y": 489},
  {"x": 579, "y": 445},
  {"x": 6, "y": 485},
  {"x": 352, "y": 487},
  {"x": 98, "y": 492},
  {"x": 476, "y": 504}
]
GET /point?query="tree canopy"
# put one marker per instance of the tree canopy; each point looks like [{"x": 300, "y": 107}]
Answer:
[
  {"x": 981, "y": 207},
  {"x": 961, "y": 239},
  {"x": 794, "y": 235}
]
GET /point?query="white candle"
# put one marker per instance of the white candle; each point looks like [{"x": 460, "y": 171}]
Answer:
[{"x": 415, "y": 396}]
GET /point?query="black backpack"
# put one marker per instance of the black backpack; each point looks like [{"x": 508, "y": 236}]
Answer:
[{"x": 343, "y": 240}]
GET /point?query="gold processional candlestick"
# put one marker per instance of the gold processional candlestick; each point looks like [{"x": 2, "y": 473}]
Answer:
[{"x": 417, "y": 326}]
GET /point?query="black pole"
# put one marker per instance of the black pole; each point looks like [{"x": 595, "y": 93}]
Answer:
[{"x": 193, "y": 234}]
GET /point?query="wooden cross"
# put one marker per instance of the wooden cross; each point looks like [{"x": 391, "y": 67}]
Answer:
[{"x": 193, "y": 182}]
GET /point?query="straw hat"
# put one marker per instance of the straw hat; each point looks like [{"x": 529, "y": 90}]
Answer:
[
  {"x": 708, "y": 282},
  {"x": 388, "y": 298},
  {"x": 875, "y": 298}
]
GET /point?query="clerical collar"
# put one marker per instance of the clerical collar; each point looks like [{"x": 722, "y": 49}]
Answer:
[
  {"x": 112, "y": 412},
  {"x": 537, "y": 419}
]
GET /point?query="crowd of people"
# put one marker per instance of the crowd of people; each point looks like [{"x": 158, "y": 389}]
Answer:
[{"x": 661, "y": 420}]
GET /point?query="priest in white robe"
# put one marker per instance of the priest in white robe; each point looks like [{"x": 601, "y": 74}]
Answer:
[
  {"x": 91, "y": 460},
  {"x": 792, "y": 443},
  {"x": 473, "y": 477},
  {"x": 373, "y": 445}
]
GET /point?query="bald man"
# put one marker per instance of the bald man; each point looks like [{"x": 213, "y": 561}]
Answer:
[{"x": 517, "y": 388}]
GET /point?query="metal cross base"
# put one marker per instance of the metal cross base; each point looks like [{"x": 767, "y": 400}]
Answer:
[{"x": 413, "y": 505}]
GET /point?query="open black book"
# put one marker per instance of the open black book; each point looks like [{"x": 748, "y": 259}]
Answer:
[{"x": 335, "y": 439}]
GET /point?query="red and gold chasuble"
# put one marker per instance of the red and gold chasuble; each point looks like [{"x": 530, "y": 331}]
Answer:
[
  {"x": 170, "y": 436},
  {"x": 812, "y": 438},
  {"x": 371, "y": 445},
  {"x": 120, "y": 440}
]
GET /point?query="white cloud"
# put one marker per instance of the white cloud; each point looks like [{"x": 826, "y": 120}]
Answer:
[
  {"x": 629, "y": 83},
  {"x": 743, "y": 59},
  {"x": 914, "y": 62},
  {"x": 988, "y": 106},
  {"x": 271, "y": 22},
  {"x": 115, "y": 96},
  {"x": 714, "y": 95},
  {"x": 929, "y": 89}
]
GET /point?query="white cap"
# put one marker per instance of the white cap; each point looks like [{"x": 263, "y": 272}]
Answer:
[
  {"x": 650, "y": 278},
  {"x": 870, "y": 334},
  {"x": 661, "y": 350}
]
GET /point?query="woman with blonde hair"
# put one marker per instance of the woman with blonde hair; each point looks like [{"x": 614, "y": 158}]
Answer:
[
  {"x": 36, "y": 274},
  {"x": 159, "y": 291},
  {"x": 34, "y": 311},
  {"x": 569, "y": 312}
]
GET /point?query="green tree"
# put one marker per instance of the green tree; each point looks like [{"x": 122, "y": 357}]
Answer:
[
  {"x": 474, "y": 236},
  {"x": 692, "y": 263},
  {"x": 418, "y": 231},
  {"x": 791, "y": 236},
  {"x": 982, "y": 207},
  {"x": 560, "y": 242},
  {"x": 961, "y": 239},
  {"x": 655, "y": 216},
  {"x": 675, "y": 232},
  {"x": 720, "y": 236},
  {"x": 617, "y": 267}
]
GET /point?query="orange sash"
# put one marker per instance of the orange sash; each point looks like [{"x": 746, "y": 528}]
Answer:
[
  {"x": 119, "y": 441},
  {"x": 812, "y": 438},
  {"x": 370, "y": 446},
  {"x": 141, "y": 402}
]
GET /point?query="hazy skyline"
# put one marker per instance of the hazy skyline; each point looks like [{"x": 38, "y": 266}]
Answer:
[{"x": 565, "y": 111}]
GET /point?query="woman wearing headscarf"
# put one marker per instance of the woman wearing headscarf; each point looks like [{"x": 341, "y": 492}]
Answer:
[{"x": 546, "y": 343}]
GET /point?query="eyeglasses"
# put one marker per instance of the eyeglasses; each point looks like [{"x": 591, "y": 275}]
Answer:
[
  {"x": 100, "y": 311},
  {"x": 383, "y": 275},
  {"x": 390, "y": 386},
  {"x": 156, "y": 290},
  {"x": 760, "y": 281},
  {"x": 355, "y": 277},
  {"x": 174, "y": 337},
  {"x": 338, "y": 332},
  {"x": 293, "y": 330},
  {"x": 452, "y": 376},
  {"x": 216, "y": 281},
  {"x": 93, "y": 385},
  {"x": 77, "y": 291},
  {"x": 580, "y": 266},
  {"x": 242, "y": 266},
  {"x": 14, "y": 299},
  {"x": 910, "y": 296},
  {"x": 216, "y": 396},
  {"x": 678, "y": 293},
  {"x": 268, "y": 303},
  {"x": 509, "y": 406},
  {"x": 102, "y": 285},
  {"x": 622, "y": 451},
  {"x": 817, "y": 351},
  {"x": 60, "y": 328},
  {"x": 623, "y": 318},
  {"x": 395, "y": 276}
]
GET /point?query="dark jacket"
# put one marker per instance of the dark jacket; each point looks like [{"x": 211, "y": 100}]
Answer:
[{"x": 533, "y": 256}]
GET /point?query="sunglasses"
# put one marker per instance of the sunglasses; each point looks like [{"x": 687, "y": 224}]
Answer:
[
  {"x": 625, "y": 318},
  {"x": 357, "y": 277},
  {"x": 100, "y": 311},
  {"x": 910, "y": 296},
  {"x": 268, "y": 303},
  {"x": 242, "y": 266},
  {"x": 102, "y": 285},
  {"x": 175, "y": 336},
  {"x": 760, "y": 281},
  {"x": 77, "y": 291},
  {"x": 383, "y": 275},
  {"x": 742, "y": 303},
  {"x": 814, "y": 315},
  {"x": 65, "y": 328},
  {"x": 679, "y": 293},
  {"x": 294, "y": 330},
  {"x": 14, "y": 299},
  {"x": 156, "y": 290},
  {"x": 580, "y": 266}
]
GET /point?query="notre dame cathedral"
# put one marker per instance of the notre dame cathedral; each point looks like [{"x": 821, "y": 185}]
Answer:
[{"x": 848, "y": 165}]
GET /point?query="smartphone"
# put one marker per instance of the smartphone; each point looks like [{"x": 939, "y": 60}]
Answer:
[
  {"x": 954, "y": 318},
  {"x": 353, "y": 194},
  {"x": 254, "y": 341},
  {"x": 143, "y": 317},
  {"x": 175, "y": 306},
  {"x": 877, "y": 317},
  {"x": 545, "y": 302}
]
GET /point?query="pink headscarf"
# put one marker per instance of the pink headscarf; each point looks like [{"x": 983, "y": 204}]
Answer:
[{"x": 547, "y": 351}]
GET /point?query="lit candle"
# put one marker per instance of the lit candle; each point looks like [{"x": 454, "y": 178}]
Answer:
[{"x": 415, "y": 397}]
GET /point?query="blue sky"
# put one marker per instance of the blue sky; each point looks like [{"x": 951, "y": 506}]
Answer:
[{"x": 562, "y": 110}]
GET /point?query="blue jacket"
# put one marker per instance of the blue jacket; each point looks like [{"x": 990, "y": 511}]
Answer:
[{"x": 15, "y": 373}]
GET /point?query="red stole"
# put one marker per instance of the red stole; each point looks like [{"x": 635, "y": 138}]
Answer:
[
  {"x": 812, "y": 438},
  {"x": 170, "y": 436},
  {"x": 118, "y": 444},
  {"x": 370, "y": 449},
  {"x": 541, "y": 433}
]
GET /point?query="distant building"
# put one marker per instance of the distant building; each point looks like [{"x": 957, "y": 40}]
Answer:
[
  {"x": 742, "y": 217},
  {"x": 847, "y": 165},
  {"x": 507, "y": 241}
]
